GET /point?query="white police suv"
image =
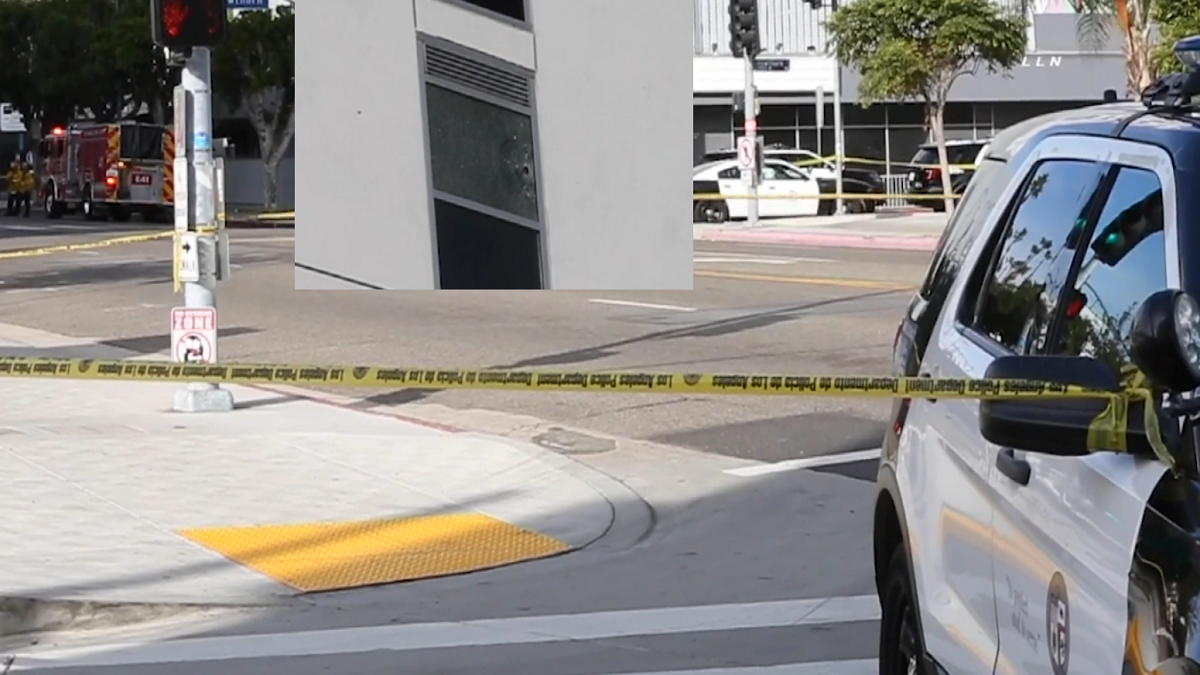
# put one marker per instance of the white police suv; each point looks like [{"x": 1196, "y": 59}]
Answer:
[
  {"x": 1001, "y": 543},
  {"x": 718, "y": 192}
]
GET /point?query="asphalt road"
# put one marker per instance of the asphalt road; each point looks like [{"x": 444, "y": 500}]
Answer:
[{"x": 746, "y": 547}]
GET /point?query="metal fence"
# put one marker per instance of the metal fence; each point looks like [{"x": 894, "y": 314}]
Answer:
[
  {"x": 244, "y": 182},
  {"x": 896, "y": 184}
]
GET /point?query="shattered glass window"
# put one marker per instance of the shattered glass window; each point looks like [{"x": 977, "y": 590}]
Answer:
[{"x": 482, "y": 152}]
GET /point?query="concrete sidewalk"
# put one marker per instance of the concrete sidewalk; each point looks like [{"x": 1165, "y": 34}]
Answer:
[
  {"x": 916, "y": 232},
  {"x": 109, "y": 497}
]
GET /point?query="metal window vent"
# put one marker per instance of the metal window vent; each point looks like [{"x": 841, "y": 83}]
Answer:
[{"x": 475, "y": 75}]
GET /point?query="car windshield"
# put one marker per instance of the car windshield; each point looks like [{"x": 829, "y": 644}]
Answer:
[
  {"x": 955, "y": 154},
  {"x": 787, "y": 171}
]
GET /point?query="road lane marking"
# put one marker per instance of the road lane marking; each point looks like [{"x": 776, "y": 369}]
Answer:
[
  {"x": 262, "y": 239},
  {"x": 805, "y": 463},
  {"x": 478, "y": 633},
  {"x": 848, "y": 667},
  {"x": 643, "y": 305},
  {"x": 129, "y": 308},
  {"x": 758, "y": 260},
  {"x": 810, "y": 281}
]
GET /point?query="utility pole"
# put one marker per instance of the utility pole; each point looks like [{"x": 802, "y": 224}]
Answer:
[
  {"x": 839, "y": 138},
  {"x": 200, "y": 291},
  {"x": 187, "y": 29},
  {"x": 744, "y": 43},
  {"x": 751, "y": 132}
]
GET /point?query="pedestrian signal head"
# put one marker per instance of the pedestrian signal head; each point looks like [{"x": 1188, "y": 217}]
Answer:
[{"x": 181, "y": 24}]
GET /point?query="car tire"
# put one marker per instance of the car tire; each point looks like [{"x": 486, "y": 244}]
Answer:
[
  {"x": 900, "y": 650},
  {"x": 869, "y": 205},
  {"x": 712, "y": 212},
  {"x": 51, "y": 206},
  {"x": 88, "y": 206}
]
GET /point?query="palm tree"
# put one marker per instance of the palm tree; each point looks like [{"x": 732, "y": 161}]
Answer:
[
  {"x": 1097, "y": 18},
  {"x": 1132, "y": 17}
]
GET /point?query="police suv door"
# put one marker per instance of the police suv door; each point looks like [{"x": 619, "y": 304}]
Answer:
[
  {"x": 1065, "y": 530},
  {"x": 729, "y": 181},
  {"x": 944, "y": 461}
]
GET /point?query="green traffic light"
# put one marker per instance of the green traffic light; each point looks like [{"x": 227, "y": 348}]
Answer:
[{"x": 1112, "y": 238}]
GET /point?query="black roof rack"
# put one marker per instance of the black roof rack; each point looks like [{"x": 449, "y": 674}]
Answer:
[{"x": 1170, "y": 94}]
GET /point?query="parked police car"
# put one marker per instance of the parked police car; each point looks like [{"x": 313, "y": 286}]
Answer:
[
  {"x": 856, "y": 180},
  {"x": 784, "y": 191},
  {"x": 1001, "y": 544}
]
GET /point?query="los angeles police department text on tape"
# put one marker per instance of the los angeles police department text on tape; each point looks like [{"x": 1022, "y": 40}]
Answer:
[{"x": 202, "y": 322}]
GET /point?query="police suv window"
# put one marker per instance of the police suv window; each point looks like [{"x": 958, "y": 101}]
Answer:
[
  {"x": 965, "y": 225},
  {"x": 1030, "y": 267},
  {"x": 1125, "y": 262},
  {"x": 730, "y": 173}
]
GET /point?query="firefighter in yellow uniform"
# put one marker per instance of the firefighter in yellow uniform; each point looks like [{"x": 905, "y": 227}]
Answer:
[
  {"x": 27, "y": 182},
  {"x": 13, "y": 185}
]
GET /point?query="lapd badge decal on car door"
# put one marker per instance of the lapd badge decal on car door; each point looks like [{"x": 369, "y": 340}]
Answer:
[{"x": 1058, "y": 624}]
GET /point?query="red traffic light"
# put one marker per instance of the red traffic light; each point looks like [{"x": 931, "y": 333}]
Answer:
[{"x": 188, "y": 23}]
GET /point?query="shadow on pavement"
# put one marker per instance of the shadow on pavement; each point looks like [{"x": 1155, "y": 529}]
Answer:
[
  {"x": 36, "y": 226},
  {"x": 85, "y": 274},
  {"x": 820, "y": 434},
  {"x": 715, "y": 328},
  {"x": 152, "y": 344},
  {"x": 777, "y": 537},
  {"x": 707, "y": 329}
]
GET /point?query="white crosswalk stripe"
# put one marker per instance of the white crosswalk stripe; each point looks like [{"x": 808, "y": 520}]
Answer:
[{"x": 497, "y": 633}]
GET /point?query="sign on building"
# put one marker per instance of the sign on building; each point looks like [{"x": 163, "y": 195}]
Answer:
[{"x": 11, "y": 120}]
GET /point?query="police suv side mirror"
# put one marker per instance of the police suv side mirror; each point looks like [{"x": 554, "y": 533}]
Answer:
[
  {"x": 1055, "y": 425},
  {"x": 1166, "y": 341}
]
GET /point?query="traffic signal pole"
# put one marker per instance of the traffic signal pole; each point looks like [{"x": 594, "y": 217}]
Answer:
[
  {"x": 202, "y": 219},
  {"x": 751, "y": 132}
]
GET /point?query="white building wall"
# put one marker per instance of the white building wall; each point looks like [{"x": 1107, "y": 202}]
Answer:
[
  {"x": 607, "y": 124},
  {"x": 791, "y": 30}
]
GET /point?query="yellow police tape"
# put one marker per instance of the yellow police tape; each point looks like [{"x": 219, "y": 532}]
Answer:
[
  {"x": 905, "y": 166},
  {"x": 66, "y": 248},
  {"x": 131, "y": 239},
  {"x": 1107, "y": 432},
  {"x": 282, "y": 215},
  {"x": 706, "y": 197}
]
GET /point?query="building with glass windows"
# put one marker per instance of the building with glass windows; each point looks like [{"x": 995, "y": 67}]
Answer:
[
  {"x": 491, "y": 144},
  {"x": 1057, "y": 73}
]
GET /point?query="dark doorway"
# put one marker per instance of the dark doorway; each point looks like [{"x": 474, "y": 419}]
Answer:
[{"x": 477, "y": 251}]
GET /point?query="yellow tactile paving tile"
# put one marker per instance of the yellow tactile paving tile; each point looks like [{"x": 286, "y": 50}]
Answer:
[{"x": 330, "y": 556}]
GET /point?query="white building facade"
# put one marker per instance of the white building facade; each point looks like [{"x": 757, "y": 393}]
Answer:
[
  {"x": 794, "y": 69},
  {"x": 1057, "y": 72}
]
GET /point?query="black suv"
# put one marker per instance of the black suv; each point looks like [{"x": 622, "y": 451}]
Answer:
[{"x": 925, "y": 179}]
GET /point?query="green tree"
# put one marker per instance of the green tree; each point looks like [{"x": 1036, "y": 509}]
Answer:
[
  {"x": 917, "y": 49},
  {"x": 62, "y": 59},
  {"x": 17, "y": 86},
  {"x": 121, "y": 72},
  {"x": 1176, "y": 19},
  {"x": 256, "y": 68}
]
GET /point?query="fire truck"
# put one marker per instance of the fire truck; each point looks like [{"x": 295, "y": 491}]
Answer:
[{"x": 108, "y": 170}]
